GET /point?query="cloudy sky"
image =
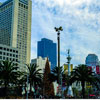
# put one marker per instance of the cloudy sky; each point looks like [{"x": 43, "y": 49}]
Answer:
[{"x": 80, "y": 20}]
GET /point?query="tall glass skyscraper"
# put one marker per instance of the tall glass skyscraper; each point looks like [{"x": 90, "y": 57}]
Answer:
[
  {"x": 15, "y": 27},
  {"x": 46, "y": 48}
]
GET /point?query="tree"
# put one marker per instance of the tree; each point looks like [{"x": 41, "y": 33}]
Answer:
[
  {"x": 82, "y": 74},
  {"x": 8, "y": 74},
  {"x": 48, "y": 88},
  {"x": 22, "y": 83},
  {"x": 34, "y": 76},
  {"x": 53, "y": 75}
]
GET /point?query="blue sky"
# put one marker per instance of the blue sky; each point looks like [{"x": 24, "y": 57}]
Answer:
[{"x": 80, "y": 20}]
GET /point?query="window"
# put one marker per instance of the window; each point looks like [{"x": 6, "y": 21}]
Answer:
[
  {"x": 7, "y": 54},
  {"x": 13, "y": 59},
  {"x": 0, "y": 52},
  {"x": 4, "y": 53},
  {"x": 19, "y": 4},
  {"x": 26, "y": 7},
  {"x": 0, "y": 47},
  {"x": 7, "y": 49},
  {"x": 0, "y": 57},
  {"x": 13, "y": 50},
  {"x": 7, "y": 58},
  {"x": 10, "y": 50},
  {"x": 13, "y": 55},
  {"x": 3, "y": 58},
  {"x": 16, "y": 55}
]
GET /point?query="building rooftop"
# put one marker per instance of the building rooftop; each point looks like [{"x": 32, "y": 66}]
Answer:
[{"x": 4, "y": 3}]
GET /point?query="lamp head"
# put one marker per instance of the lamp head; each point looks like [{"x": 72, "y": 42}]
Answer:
[
  {"x": 60, "y": 28},
  {"x": 56, "y": 29}
]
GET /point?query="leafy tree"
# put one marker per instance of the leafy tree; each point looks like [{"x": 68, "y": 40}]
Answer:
[
  {"x": 35, "y": 77},
  {"x": 48, "y": 87},
  {"x": 8, "y": 74},
  {"x": 82, "y": 74}
]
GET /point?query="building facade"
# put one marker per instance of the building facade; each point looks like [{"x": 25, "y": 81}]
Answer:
[
  {"x": 9, "y": 53},
  {"x": 92, "y": 60},
  {"x": 66, "y": 68},
  {"x": 15, "y": 27},
  {"x": 46, "y": 48},
  {"x": 40, "y": 62}
]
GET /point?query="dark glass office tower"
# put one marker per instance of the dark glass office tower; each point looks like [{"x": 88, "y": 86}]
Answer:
[{"x": 46, "y": 48}]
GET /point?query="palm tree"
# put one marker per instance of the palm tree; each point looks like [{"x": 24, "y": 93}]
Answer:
[
  {"x": 82, "y": 74},
  {"x": 53, "y": 75},
  {"x": 22, "y": 82},
  {"x": 8, "y": 73},
  {"x": 35, "y": 77}
]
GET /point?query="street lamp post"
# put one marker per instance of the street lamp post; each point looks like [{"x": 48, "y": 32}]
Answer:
[{"x": 58, "y": 38}]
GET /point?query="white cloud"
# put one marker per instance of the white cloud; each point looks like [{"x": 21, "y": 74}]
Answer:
[
  {"x": 80, "y": 24},
  {"x": 80, "y": 20}
]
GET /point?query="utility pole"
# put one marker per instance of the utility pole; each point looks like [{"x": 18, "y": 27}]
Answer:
[{"x": 58, "y": 38}]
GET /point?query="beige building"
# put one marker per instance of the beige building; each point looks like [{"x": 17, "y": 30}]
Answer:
[
  {"x": 40, "y": 62},
  {"x": 41, "y": 65},
  {"x": 15, "y": 27}
]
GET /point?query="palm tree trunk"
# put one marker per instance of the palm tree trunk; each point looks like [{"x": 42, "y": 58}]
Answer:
[
  {"x": 30, "y": 87},
  {"x": 83, "y": 89},
  {"x": 5, "y": 89},
  {"x": 25, "y": 89}
]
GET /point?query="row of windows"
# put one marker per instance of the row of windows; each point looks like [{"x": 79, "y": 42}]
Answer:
[
  {"x": 22, "y": 33},
  {"x": 7, "y": 6},
  {"x": 22, "y": 19},
  {"x": 3, "y": 30},
  {"x": 22, "y": 26},
  {"x": 7, "y": 58},
  {"x": 22, "y": 5},
  {"x": 22, "y": 23},
  {"x": 8, "y": 54},
  {"x": 6, "y": 42},
  {"x": 22, "y": 45},
  {"x": 22, "y": 37},
  {"x": 8, "y": 11},
  {"x": 23, "y": 10},
  {"x": 7, "y": 18},
  {"x": 7, "y": 49}
]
